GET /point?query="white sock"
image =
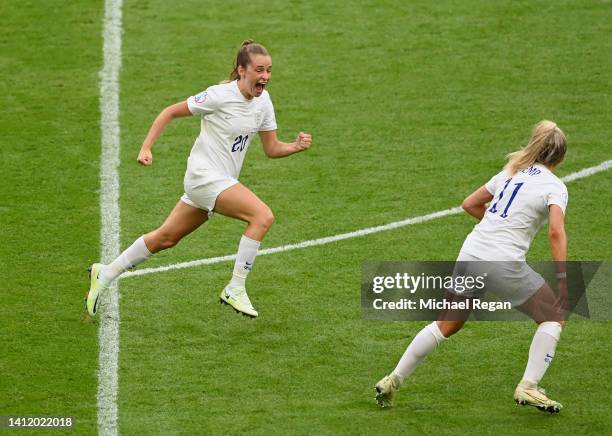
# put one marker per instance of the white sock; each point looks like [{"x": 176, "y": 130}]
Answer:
[
  {"x": 131, "y": 256},
  {"x": 423, "y": 343},
  {"x": 542, "y": 351},
  {"x": 247, "y": 251}
]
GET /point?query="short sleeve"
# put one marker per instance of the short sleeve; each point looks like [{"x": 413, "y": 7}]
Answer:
[
  {"x": 492, "y": 184},
  {"x": 558, "y": 195},
  {"x": 269, "y": 119},
  {"x": 204, "y": 103}
]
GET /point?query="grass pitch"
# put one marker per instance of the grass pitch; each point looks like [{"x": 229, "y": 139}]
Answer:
[{"x": 412, "y": 105}]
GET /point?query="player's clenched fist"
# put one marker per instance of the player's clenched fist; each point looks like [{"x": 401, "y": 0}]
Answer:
[
  {"x": 303, "y": 141},
  {"x": 145, "y": 157}
]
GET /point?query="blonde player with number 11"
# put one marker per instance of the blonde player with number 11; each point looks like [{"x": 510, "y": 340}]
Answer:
[{"x": 523, "y": 196}]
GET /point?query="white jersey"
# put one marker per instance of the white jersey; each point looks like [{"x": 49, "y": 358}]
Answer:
[
  {"x": 516, "y": 213},
  {"x": 229, "y": 123}
]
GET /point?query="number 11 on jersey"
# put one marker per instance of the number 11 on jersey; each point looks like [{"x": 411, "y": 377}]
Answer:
[{"x": 504, "y": 214}]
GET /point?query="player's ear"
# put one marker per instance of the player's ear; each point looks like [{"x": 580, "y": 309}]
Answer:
[{"x": 241, "y": 71}]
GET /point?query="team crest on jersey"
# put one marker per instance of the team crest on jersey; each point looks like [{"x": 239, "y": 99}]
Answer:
[{"x": 199, "y": 98}]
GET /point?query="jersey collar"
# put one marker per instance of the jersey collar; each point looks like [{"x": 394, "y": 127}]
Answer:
[{"x": 240, "y": 95}]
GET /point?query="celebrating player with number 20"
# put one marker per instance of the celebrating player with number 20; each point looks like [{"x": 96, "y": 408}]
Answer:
[
  {"x": 232, "y": 113},
  {"x": 523, "y": 195}
]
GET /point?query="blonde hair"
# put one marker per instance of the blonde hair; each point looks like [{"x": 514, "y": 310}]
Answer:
[
  {"x": 547, "y": 146},
  {"x": 243, "y": 57}
]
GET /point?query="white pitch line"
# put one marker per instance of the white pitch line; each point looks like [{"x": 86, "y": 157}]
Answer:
[
  {"x": 586, "y": 172},
  {"x": 110, "y": 227}
]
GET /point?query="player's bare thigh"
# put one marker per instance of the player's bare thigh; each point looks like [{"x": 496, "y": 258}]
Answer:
[{"x": 240, "y": 202}]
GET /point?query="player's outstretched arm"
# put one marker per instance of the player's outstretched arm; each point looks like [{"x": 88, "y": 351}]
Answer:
[
  {"x": 476, "y": 203},
  {"x": 275, "y": 148},
  {"x": 145, "y": 156}
]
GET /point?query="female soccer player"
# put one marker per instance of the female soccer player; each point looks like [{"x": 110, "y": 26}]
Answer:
[
  {"x": 525, "y": 194},
  {"x": 232, "y": 113}
]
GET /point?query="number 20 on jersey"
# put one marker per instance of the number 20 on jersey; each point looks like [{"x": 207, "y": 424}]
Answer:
[{"x": 239, "y": 143}]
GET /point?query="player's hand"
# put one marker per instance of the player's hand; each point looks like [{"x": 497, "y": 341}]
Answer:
[
  {"x": 145, "y": 157},
  {"x": 303, "y": 141}
]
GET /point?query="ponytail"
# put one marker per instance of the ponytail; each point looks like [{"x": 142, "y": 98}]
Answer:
[{"x": 547, "y": 146}]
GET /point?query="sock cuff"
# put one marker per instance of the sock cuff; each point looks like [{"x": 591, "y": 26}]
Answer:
[
  {"x": 435, "y": 330},
  {"x": 551, "y": 328},
  {"x": 251, "y": 242},
  {"x": 141, "y": 242}
]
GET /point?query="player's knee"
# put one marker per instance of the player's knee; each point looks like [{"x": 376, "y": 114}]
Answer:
[
  {"x": 264, "y": 219},
  {"x": 268, "y": 219}
]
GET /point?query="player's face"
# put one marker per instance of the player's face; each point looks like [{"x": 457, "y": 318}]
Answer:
[{"x": 255, "y": 77}]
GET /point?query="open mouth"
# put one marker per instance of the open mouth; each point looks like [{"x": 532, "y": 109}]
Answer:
[{"x": 259, "y": 87}]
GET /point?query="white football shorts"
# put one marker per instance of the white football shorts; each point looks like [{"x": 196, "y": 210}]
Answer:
[
  {"x": 202, "y": 191},
  {"x": 512, "y": 281}
]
